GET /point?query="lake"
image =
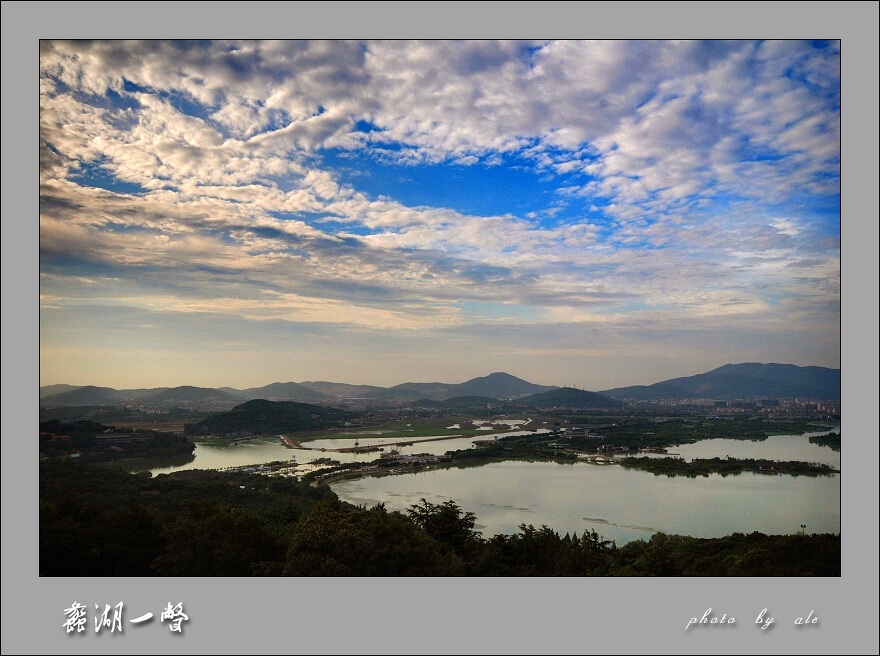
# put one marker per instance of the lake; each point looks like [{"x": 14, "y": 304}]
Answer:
[
  {"x": 222, "y": 455},
  {"x": 620, "y": 504},
  {"x": 775, "y": 447}
]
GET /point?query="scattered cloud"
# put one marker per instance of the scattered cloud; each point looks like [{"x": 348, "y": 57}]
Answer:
[{"x": 689, "y": 182}]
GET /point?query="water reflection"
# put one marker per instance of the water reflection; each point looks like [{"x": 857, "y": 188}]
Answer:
[
  {"x": 775, "y": 447},
  {"x": 620, "y": 504},
  {"x": 222, "y": 455}
]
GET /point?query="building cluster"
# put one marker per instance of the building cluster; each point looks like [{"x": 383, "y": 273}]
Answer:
[
  {"x": 771, "y": 407},
  {"x": 147, "y": 409}
]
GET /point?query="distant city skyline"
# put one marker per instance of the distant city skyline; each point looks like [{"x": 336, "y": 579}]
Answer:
[{"x": 590, "y": 213}]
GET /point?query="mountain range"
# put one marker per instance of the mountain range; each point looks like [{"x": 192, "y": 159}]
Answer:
[
  {"x": 500, "y": 386},
  {"x": 731, "y": 381},
  {"x": 749, "y": 380}
]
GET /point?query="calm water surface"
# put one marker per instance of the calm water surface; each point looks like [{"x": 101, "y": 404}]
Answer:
[
  {"x": 620, "y": 504},
  {"x": 220, "y": 455},
  {"x": 775, "y": 447}
]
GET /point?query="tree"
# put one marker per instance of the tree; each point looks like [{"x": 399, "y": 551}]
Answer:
[
  {"x": 206, "y": 539},
  {"x": 448, "y": 524},
  {"x": 336, "y": 540}
]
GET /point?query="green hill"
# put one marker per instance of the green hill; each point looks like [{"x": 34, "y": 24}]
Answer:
[
  {"x": 260, "y": 417},
  {"x": 569, "y": 397}
]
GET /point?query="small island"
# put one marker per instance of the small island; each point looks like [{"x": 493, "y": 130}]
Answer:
[
  {"x": 725, "y": 466},
  {"x": 831, "y": 440}
]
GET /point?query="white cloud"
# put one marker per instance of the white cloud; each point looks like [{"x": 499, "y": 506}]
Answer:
[
  {"x": 680, "y": 115},
  {"x": 645, "y": 136}
]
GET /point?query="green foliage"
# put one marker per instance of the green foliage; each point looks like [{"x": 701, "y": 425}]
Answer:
[
  {"x": 102, "y": 521},
  {"x": 734, "y": 555},
  {"x": 653, "y": 430},
  {"x": 205, "y": 538},
  {"x": 541, "y": 552},
  {"x": 448, "y": 524},
  {"x": 725, "y": 466},
  {"x": 831, "y": 440},
  {"x": 336, "y": 540}
]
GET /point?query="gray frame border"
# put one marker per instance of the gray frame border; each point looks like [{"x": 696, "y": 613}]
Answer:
[{"x": 441, "y": 616}]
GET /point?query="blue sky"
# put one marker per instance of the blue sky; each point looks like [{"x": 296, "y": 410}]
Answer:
[{"x": 583, "y": 212}]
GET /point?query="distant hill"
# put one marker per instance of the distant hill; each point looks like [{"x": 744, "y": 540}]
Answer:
[
  {"x": 49, "y": 390},
  {"x": 742, "y": 381},
  {"x": 260, "y": 417},
  {"x": 394, "y": 394},
  {"x": 283, "y": 392},
  {"x": 499, "y": 385},
  {"x": 88, "y": 395},
  {"x": 231, "y": 390},
  {"x": 140, "y": 393},
  {"x": 496, "y": 386},
  {"x": 187, "y": 394},
  {"x": 423, "y": 390},
  {"x": 347, "y": 391},
  {"x": 569, "y": 397},
  {"x": 654, "y": 392}
]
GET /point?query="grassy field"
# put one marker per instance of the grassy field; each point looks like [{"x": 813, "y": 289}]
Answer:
[{"x": 403, "y": 430}]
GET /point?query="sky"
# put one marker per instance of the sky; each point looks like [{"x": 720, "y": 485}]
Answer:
[{"x": 588, "y": 213}]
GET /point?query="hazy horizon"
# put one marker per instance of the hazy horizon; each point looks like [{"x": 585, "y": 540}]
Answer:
[
  {"x": 388, "y": 385},
  {"x": 588, "y": 213}
]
